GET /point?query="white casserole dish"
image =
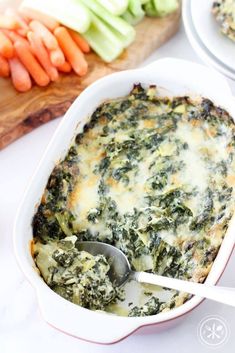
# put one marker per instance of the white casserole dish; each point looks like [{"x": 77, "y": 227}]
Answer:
[{"x": 179, "y": 77}]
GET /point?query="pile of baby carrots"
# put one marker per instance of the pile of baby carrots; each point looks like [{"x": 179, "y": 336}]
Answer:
[{"x": 37, "y": 51}]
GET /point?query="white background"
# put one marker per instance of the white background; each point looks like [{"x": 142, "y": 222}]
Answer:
[{"x": 22, "y": 329}]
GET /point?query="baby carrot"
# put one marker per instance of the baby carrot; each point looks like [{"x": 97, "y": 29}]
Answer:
[
  {"x": 47, "y": 37},
  {"x": 48, "y": 21},
  {"x": 8, "y": 22},
  {"x": 14, "y": 36},
  {"x": 20, "y": 76},
  {"x": 80, "y": 41},
  {"x": 57, "y": 57},
  {"x": 12, "y": 13},
  {"x": 22, "y": 32},
  {"x": 71, "y": 51},
  {"x": 66, "y": 67},
  {"x": 6, "y": 47},
  {"x": 4, "y": 67},
  {"x": 42, "y": 55},
  {"x": 31, "y": 64}
]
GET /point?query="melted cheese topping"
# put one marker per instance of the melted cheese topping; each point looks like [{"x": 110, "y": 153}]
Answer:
[
  {"x": 194, "y": 174},
  {"x": 154, "y": 177}
]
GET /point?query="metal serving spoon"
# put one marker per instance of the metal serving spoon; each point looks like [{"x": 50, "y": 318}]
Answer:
[{"x": 120, "y": 271}]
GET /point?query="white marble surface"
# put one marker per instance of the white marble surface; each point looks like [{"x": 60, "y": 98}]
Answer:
[{"x": 22, "y": 329}]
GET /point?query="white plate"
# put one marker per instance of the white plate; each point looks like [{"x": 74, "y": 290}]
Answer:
[
  {"x": 208, "y": 30},
  {"x": 198, "y": 45}
]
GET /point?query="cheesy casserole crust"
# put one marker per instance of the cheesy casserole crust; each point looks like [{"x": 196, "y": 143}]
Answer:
[{"x": 152, "y": 176}]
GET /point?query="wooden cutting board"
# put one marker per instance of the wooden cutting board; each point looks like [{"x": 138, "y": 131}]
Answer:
[{"x": 22, "y": 112}]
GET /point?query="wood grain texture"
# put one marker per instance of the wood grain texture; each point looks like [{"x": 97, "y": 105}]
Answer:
[{"x": 22, "y": 112}]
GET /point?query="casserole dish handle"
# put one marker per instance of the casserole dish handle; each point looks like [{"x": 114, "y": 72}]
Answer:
[{"x": 82, "y": 323}]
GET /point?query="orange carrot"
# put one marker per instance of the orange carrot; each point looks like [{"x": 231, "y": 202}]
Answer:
[
  {"x": 66, "y": 67},
  {"x": 47, "y": 37},
  {"x": 31, "y": 64},
  {"x": 12, "y": 13},
  {"x": 14, "y": 36},
  {"x": 22, "y": 32},
  {"x": 41, "y": 54},
  {"x": 57, "y": 57},
  {"x": 26, "y": 18},
  {"x": 30, "y": 14},
  {"x": 80, "y": 41},
  {"x": 8, "y": 22},
  {"x": 71, "y": 51},
  {"x": 20, "y": 76},
  {"x": 6, "y": 47},
  {"x": 4, "y": 67}
]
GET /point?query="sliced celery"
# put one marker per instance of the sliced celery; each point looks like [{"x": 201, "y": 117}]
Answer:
[
  {"x": 164, "y": 7},
  {"x": 150, "y": 9},
  {"x": 103, "y": 40},
  {"x": 70, "y": 13},
  {"x": 160, "y": 7},
  {"x": 130, "y": 18},
  {"x": 117, "y": 23},
  {"x": 115, "y": 7},
  {"x": 125, "y": 40},
  {"x": 135, "y": 8}
]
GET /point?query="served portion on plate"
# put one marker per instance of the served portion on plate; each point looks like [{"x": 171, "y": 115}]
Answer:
[
  {"x": 151, "y": 175},
  {"x": 224, "y": 11},
  {"x": 204, "y": 34}
]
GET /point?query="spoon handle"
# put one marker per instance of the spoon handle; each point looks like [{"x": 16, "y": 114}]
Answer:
[{"x": 223, "y": 295}]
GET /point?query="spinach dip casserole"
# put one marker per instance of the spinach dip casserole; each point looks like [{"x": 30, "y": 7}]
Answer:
[
  {"x": 224, "y": 12},
  {"x": 150, "y": 175}
]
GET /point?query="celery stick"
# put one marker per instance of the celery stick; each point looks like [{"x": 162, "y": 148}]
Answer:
[
  {"x": 164, "y": 7},
  {"x": 134, "y": 13},
  {"x": 125, "y": 40},
  {"x": 150, "y": 9},
  {"x": 70, "y": 13},
  {"x": 130, "y": 18},
  {"x": 115, "y": 7},
  {"x": 135, "y": 8},
  {"x": 160, "y": 7},
  {"x": 102, "y": 40},
  {"x": 117, "y": 23}
]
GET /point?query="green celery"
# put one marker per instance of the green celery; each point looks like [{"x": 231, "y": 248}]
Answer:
[
  {"x": 103, "y": 40},
  {"x": 115, "y": 7},
  {"x": 70, "y": 13},
  {"x": 164, "y": 7},
  {"x": 135, "y": 8},
  {"x": 130, "y": 18},
  {"x": 134, "y": 13},
  {"x": 125, "y": 40},
  {"x": 121, "y": 26},
  {"x": 160, "y": 7},
  {"x": 150, "y": 9}
]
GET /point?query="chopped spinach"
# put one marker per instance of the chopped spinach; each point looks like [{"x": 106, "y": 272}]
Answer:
[
  {"x": 205, "y": 216},
  {"x": 151, "y": 307},
  {"x": 141, "y": 197}
]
